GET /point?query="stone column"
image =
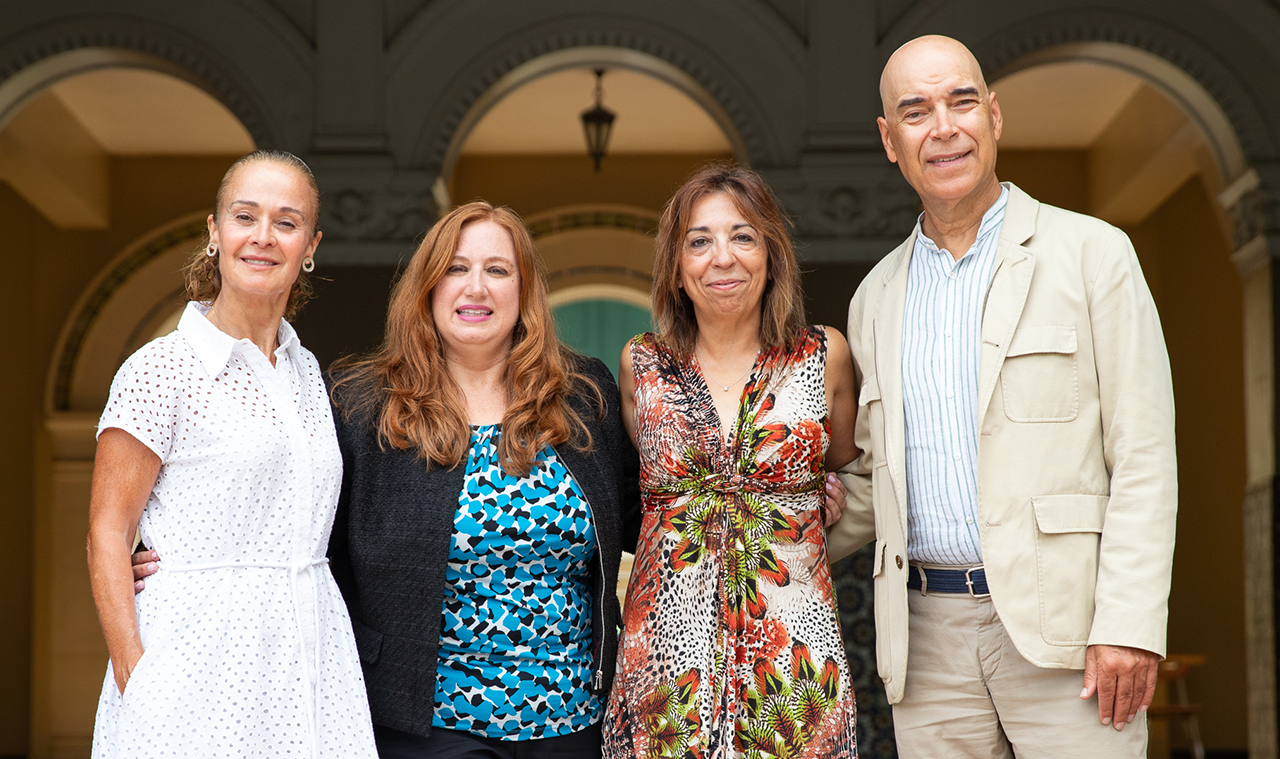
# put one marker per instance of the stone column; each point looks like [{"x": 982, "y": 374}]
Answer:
[
  {"x": 1256, "y": 237},
  {"x": 69, "y": 657}
]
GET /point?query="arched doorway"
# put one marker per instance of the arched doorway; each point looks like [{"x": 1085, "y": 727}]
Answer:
[
  {"x": 108, "y": 164},
  {"x": 1117, "y": 133}
]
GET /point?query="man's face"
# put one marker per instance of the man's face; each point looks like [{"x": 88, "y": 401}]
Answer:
[{"x": 940, "y": 124}]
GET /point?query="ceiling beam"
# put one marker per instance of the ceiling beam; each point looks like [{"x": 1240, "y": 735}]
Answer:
[
  {"x": 1143, "y": 156},
  {"x": 53, "y": 162}
]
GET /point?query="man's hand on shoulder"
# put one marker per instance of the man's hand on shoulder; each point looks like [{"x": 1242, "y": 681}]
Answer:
[
  {"x": 1123, "y": 678},
  {"x": 144, "y": 565}
]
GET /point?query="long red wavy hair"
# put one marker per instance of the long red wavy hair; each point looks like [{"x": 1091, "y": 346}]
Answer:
[{"x": 405, "y": 386}]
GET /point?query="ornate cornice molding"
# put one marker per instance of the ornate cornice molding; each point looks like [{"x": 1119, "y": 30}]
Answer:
[{"x": 185, "y": 56}]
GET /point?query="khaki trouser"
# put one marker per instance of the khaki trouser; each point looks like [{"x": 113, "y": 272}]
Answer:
[{"x": 969, "y": 693}]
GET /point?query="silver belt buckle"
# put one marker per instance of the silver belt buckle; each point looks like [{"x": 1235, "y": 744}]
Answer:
[{"x": 968, "y": 580}]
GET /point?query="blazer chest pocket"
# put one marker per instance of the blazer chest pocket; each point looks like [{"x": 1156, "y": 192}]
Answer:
[{"x": 1038, "y": 379}]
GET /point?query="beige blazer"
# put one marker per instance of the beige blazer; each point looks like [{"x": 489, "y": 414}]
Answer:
[{"x": 1077, "y": 479}]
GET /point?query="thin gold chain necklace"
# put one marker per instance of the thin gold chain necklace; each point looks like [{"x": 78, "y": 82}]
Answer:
[{"x": 707, "y": 373}]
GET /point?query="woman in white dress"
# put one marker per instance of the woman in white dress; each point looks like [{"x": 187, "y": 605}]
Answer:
[{"x": 218, "y": 442}]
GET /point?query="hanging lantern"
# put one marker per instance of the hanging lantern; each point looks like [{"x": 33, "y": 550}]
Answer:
[{"x": 597, "y": 123}]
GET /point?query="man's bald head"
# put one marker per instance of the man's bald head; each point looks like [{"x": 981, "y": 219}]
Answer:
[
  {"x": 926, "y": 59},
  {"x": 941, "y": 125}
]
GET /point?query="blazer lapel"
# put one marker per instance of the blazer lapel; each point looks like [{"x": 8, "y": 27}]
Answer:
[
  {"x": 887, "y": 328},
  {"x": 1010, "y": 283}
]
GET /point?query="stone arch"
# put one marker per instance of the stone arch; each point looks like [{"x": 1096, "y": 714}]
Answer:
[
  {"x": 567, "y": 235},
  {"x": 117, "y": 313},
  {"x": 645, "y": 45},
  {"x": 593, "y": 56},
  {"x": 1175, "y": 83},
  {"x": 31, "y": 63}
]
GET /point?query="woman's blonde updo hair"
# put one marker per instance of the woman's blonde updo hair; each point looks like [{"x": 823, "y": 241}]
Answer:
[{"x": 204, "y": 278}]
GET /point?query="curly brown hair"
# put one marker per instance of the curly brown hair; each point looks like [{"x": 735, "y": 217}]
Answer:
[{"x": 204, "y": 278}]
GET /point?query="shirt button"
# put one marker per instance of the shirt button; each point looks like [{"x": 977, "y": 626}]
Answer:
[
  {"x": 969, "y": 520},
  {"x": 950, "y": 394},
  {"x": 952, "y": 275},
  {"x": 946, "y": 333},
  {"x": 898, "y": 560},
  {"x": 956, "y": 456}
]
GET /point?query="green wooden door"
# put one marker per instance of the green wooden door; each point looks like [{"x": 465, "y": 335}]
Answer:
[{"x": 600, "y": 327}]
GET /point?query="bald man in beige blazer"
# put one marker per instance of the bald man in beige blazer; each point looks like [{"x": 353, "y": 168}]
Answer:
[{"x": 1046, "y": 645}]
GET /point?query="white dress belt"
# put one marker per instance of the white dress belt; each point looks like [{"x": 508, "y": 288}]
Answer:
[
  {"x": 295, "y": 569},
  {"x": 296, "y": 566}
]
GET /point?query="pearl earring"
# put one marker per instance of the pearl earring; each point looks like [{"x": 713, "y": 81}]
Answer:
[
  {"x": 211, "y": 251},
  {"x": 308, "y": 264}
]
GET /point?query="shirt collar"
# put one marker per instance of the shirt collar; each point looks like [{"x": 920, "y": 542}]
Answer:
[
  {"x": 214, "y": 348},
  {"x": 991, "y": 221}
]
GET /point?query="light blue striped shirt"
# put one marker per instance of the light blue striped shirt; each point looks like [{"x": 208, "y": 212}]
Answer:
[{"x": 941, "y": 351}]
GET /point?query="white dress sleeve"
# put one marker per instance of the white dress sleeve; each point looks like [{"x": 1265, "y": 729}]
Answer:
[{"x": 144, "y": 399}]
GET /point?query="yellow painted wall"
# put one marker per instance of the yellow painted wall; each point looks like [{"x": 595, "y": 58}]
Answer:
[
  {"x": 1056, "y": 177},
  {"x": 44, "y": 271},
  {"x": 20, "y": 387},
  {"x": 1201, "y": 308},
  {"x": 533, "y": 183}
]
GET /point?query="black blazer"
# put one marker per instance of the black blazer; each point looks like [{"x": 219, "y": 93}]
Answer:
[{"x": 391, "y": 538}]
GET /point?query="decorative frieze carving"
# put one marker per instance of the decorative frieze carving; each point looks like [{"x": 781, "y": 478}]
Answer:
[
  {"x": 375, "y": 206},
  {"x": 882, "y": 208},
  {"x": 838, "y": 198},
  {"x": 1248, "y": 216}
]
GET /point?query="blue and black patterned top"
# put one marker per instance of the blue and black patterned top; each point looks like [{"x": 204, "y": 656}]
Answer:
[{"x": 514, "y": 656}]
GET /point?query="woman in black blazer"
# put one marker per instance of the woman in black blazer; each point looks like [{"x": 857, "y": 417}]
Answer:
[{"x": 486, "y": 472}]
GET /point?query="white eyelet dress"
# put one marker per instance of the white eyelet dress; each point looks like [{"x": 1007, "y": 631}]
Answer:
[{"x": 248, "y": 650}]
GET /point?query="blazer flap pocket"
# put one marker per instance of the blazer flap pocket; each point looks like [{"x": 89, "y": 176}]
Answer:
[
  {"x": 1070, "y": 513},
  {"x": 368, "y": 641},
  {"x": 1049, "y": 339},
  {"x": 870, "y": 390}
]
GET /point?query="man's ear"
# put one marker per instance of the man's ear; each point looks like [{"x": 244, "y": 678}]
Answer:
[
  {"x": 884, "y": 138},
  {"x": 997, "y": 120}
]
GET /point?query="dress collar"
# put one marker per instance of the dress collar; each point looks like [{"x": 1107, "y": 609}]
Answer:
[{"x": 214, "y": 348}]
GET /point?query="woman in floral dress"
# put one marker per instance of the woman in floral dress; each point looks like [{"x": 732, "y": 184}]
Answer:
[{"x": 731, "y": 643}]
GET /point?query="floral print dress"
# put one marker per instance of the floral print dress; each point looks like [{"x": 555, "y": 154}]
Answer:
[{"x": 731, "y": 644}]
